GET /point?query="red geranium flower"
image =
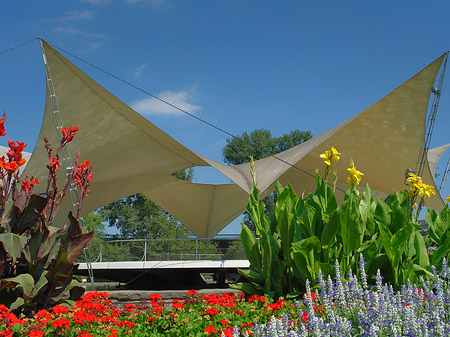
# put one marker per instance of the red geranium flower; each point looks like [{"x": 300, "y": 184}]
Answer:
[
  {"x": 228, "y": 331},
  {"x": 210, "y": 329},
  {"x": 305, "y": 317},
  {"x": 192, "y": 292},
  {"x": 36, "y": 333},
  {"x": 212, "y": 311},
  {"x": 61, "y": 323}
]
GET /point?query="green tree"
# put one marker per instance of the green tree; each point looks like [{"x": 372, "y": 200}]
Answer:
[
  {"x": 94, "y": 222},
  {"x": 137, "y": 217},
  {"x": 260, "y": 144}
]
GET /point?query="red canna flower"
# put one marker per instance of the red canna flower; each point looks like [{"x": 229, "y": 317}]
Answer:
[
  {"x": 83, "y": 172},
  {"x": 2, "y": 126},
  {"x": 210, "y": 329},
  {"x": 15, "y": 152},
  {"x": 28, "y": 184},
  {"x": 11, "y": 167},
  {"x": 68, "y": 134},
  {"x": 54, "y": 164}
]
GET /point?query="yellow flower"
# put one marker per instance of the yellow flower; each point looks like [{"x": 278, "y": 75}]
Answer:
[
  {"x": 414, "y": 179},
  {"x": 330, "y": 157},
  {"x": 415, "y": 184},
  {"x": 355, "y": 175},
  {"x": 425, "y": 190},
  {"x": 448, "y": 199}
]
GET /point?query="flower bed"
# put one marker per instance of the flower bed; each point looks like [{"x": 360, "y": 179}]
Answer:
[{"x": 337, "y": 308}]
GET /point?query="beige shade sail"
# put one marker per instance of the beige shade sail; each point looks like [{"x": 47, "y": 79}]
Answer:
[
  {"x": 434, "y": 155},
  {"x": 384, "y": 140},
  {"x": 131, "y": 155}
]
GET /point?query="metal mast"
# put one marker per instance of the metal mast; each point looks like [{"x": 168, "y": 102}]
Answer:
[
  {"x": 66, "y": 158},
  {"x": 430, "y": 122},
  {"x": 444, "y": 177}
]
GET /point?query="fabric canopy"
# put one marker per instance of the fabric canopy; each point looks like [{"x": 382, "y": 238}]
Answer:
[
  {"x": 434, "y": 155},
  {"x": 131, "y": 155}
]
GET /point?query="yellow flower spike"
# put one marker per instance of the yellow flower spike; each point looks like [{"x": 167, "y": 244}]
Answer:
[
  {"x": 330, "y": 156},
  {"x": 355, "y": 175},
  {"x": 415, "y": 185},
  {"x": 448, "y": 199}
]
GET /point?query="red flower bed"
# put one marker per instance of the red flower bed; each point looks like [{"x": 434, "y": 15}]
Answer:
[{"x": 203, "y": 315}]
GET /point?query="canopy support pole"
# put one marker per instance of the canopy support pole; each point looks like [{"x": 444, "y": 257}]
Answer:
[
  {"x": 66, "y": 158},
  {"x": 430, "y": 122}
]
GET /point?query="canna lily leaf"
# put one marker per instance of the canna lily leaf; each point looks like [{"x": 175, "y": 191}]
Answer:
[{"x": 13, "y": 244}]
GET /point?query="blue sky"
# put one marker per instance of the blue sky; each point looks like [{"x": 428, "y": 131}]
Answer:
[{"x": 279, "y": 65}]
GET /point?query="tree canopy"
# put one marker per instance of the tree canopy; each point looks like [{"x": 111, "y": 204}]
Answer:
[{"x": 260, "y": 144}]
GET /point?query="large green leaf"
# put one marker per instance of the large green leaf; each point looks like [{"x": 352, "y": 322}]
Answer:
[
  {"x": 252, "y": 276},
  {"x": 330, "y": 229},
  {"x": 25, "y": 281},
  {"x": 308, "y": 248},
  {"x": 442, "y": 250},
  {"x": 31, "y": 214},
  {"x": 13, "y": 244},
  {"x": 398, "y": 242},
  {"x": 421, "y": 250},
  {"x": 351, "y": 229},
  {"x": 438, "y": 223},
  {"x": 75, "y": 245},
  {"x": 250, "y": 245},
  {"x": 400, "y": 207},
  {"x": 285, "y": 212},
  {"x": 382, "y": 213},
  {"x": 59, "y": 270},
  {"x": 246, "y": 288}
]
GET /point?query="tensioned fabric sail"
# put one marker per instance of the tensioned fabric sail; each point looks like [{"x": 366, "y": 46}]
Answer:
[
  {"x": 434, "y": 155},
  {"x": 384, "y": 140},
  {"x": 131, "y": 155}
]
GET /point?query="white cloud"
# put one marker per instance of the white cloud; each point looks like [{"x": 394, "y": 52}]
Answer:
[
  {"x": 77, "y": 16},
  {"x": 75, "y": 31},
  {"x": 152, "y": 106},
  {"x": 138, "y": 71}
]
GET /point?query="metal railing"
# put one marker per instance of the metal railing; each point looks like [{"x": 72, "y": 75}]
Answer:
[{"x": 167, "y": 249}]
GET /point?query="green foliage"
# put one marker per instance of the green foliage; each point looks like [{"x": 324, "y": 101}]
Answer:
[
  {"x": 307, "y": 235},
  {"x": 260, "y": 144}
]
